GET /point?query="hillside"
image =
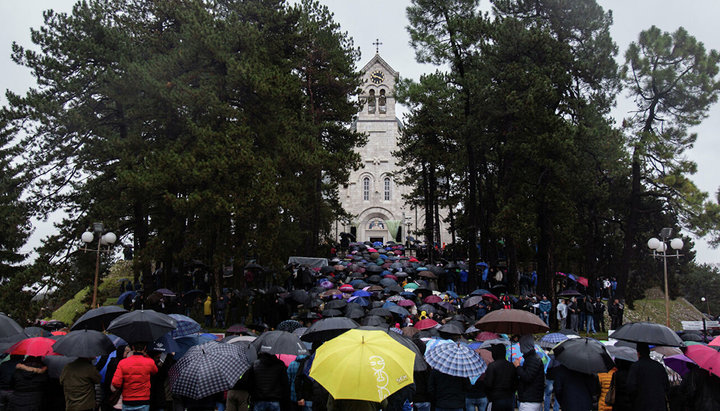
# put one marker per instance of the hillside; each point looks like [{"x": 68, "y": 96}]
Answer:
[{"x": 652, "y": 309}]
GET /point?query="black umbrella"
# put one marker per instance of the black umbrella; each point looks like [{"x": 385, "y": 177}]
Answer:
[
  {"x": 585, "y": 355},
  {"x": 649, "y": 333},
  {"x": 7, "y": 342},
  {"x": 354, "y": 311},
  {"x": 420, "y": 364},
  {"x": 396, "y": 309},
  {"x": 451, "y": 328},
  {"x": 8, "y": 326},
  {"x": 331, "y": 313},
  {"x": 328, "y": 328},
  {"x": 56, "y": 363},
  {"x": 393, "y": 289},
  {"x": 374, "y": 321},
  {"x": 570, "y": 293},
  {"x": 36, "y": 332},
  {"x": 98, "y": 318},
  {"x": 142, "y": 326},
  {"x": 387, "y": 282},
  {"x": 380, "y": 312},
  {"x": 374, "y": 268},
  {"x": 428, "y": 308},
  {"x": 276, "y": 289},
  {"x": 374, "y": 279},
  {"x": 300, "y": 296},
  {"x": 279, "y": 342},
  {"x": 692, "y": 337},
  {"x": 336, "y": 304},
  {"x": 84, "y": 343}
]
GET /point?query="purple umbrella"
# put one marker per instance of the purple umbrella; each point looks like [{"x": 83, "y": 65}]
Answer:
[
  {"x": 678, "y": 363},
  {"x": 405, "y": 303}
]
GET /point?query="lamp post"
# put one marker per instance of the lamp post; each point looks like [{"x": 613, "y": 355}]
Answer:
[
  {"x": 705, "y": 300},
  {"x": 106, "y": 239},
  {"x": 659, "y": 248}
]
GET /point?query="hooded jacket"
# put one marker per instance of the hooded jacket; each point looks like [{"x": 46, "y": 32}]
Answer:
[{"x": 531, "y": 387}]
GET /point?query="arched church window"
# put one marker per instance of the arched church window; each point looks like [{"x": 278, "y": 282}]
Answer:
[
  {"x": 382, "y": 104},
  {"x": 371, "y": 102},
  {"x": 387, "y": 188},
  {"x": 366, "y": 188}
]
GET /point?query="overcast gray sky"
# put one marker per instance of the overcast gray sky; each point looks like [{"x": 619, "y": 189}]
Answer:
[{"x": 368, "y": 20}]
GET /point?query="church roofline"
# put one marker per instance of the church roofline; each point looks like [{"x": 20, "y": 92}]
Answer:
[{"x": 378, "y": 59}]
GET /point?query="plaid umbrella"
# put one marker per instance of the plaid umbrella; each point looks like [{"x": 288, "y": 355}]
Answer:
[
  {"x": 551, "y": 340},
  {"x": 207, "y": 369},
  {"x": 455, "y": 359},
  {"x": 185, "y": 326}
]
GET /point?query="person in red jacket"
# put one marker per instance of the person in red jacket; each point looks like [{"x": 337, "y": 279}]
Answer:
[{"x": 133, "y": 377}]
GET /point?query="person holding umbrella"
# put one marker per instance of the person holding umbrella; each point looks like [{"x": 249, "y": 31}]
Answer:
[
  {"x": 268, "y": 383},
  {"x": 78, "y": 380},
  {"x": 132, "y": 376},
  {"x": 29, "y": 383},
  {"x": 647, "y": 382},
  {"x": 531, "y": 387},
  {"x": 501, "y": 380}
]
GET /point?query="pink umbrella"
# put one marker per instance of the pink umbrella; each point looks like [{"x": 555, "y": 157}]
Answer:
[
  {"x": 432, "y": 299},
  {"x": 426, "y": 324},
  {"x": 286, "y": 358},
  {"x": 405, "y": 303},
  {"x": 715, "y": 342},
  {"x": 705, "y": 357}
]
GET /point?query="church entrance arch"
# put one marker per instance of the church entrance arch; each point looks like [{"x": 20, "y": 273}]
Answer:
[{"x": 372, "y": 225}]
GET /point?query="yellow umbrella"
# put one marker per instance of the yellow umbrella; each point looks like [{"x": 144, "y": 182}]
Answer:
[{"x": 363, "y": 365}]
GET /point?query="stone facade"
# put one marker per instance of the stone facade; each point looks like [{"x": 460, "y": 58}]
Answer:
[{"x": 371, "y": 195}]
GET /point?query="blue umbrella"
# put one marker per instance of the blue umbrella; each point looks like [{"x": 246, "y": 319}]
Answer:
[
  {"x": 396, "y": 309},
  {"x": 126, "y": 294},
  {"x": 186, "y": 326},
  {"x": 552, "y": 339},
  {"x": 455, "y": 359},
  {"x": 362, "y": 293},
  {"x": 187, "y": 342},
  {"x": 452, "y": 294},
  {"x": 361, "y": 301}
]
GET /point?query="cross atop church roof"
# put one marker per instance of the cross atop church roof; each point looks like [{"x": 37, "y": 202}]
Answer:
[{"x": 377, "y": 45}]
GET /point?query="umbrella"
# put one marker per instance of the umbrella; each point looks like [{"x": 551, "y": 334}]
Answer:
[
  {"x": 362, "y": 293},
  {"x": 7, "y": 342},
  {"x": 432, "y": 299},
  {"x": 98, "y": 318},
  {"x": 208, "y": 369},
  {"x": 239, "y": 329},
  {"x": 381, "y": 312},
  {"x": 142, "y": 325},
  {"x": 366, "y": 365},
  {"x": 185, "y": 326},
  {"x": 512, "y": 322},
  {"x": 513, "y": 353},
  {"x": 419, "y": 364},
  {"x": 472, "y": 301},
  {"x": 8, "y": 326},
  {"x": 490, "y": 296},
  {"x": 715, "y": 342},
  {"x": 584, "y": 355},
  {"x": 486, "y": 335},
  {"x": 646, "y": 332},
  {"x": 411, "y": 286},
  {"x": 288, "y": 325},
  {"x": 36, "y": 332},
  {"x": 480, "y": 291},
  {"x": 427, "y": 308},
  {"x": 234, "y": 339},
  {"x": 662, "y": 350},
  {"x": 328, "y": 328},
  {"x": 126, "y": 294},
  {"x": 447, "y": 306},
  {"x": 426, "y": 324},
  {"x": 427, "y": 274},
  {"x": 451, "y": 328},
  {"x": 570, "y": 293},
  {"x": 396, "y": 309},
  {"x": 300, "y": 296},
  {"x": 331, "y": 313},
  {"x": 56, "y": 363},
  {"x": 705, "y": 357},
  {"x": 336, "y": 304},
  {"x": 34, "y": 347},
  {"x": 549, "y": 341},
  {"x": 455, "y": 359},
  {"x": 692, "y": 337},
  {"x": 405, "y": 303},
  {"x": 678, "y": 363},
  {"x": 165, "y": 292},
  {"x": 622, "y": 353},
  {"x": 387, "y": 282},
  {"x": 279, "y": 342},
  {"x": 374, "y": 321},
  {"x": 84, "y": 343}
]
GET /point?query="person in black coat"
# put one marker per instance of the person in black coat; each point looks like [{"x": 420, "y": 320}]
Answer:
[
  {"x": 531, "y": 387},
  {"x": 647, "y": 382},
  {"x": 622, "y": 396},
  {"x": 268, "y": 381},
  {"x": 575, "y": 390},
  {"x": 446, "y": 390},
  {"x": 29, "y": 384},
  {"x": 500, "y": 380}
]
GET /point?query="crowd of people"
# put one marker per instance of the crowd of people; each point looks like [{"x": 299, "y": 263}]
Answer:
[{"x": 381, "y": 291}]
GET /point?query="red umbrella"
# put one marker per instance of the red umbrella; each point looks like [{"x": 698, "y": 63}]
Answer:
[
  {"x": 426, "y": 324},
  {"x": 432, "y": 299},
  {"x": 346, "y": 288},
  {"x": 490, "y": 296},
  {"x": 34, "y": 347},
  {"x": 705, "y": 357},
  {"x": 582, "y": 280},
  {"x": 715, "y": 342},
  {"x": 392, "y": 277},
  {"x": 486, "y": 336}
]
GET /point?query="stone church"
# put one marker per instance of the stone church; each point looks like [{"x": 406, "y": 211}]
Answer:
[{"x": 371, "y": 195}]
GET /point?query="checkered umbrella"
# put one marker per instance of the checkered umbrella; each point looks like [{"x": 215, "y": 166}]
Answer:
[
  {"x": 551, "y": 340},
  {"x": 185, "y": 326},
  {"x": 454, "y": 359},
  {"x": 207, "y": 369}
]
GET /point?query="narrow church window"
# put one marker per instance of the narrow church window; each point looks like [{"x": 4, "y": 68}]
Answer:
[
  {"x": 366, "y": 188},
  {"x": 382, "y": 105},
  {"x": 371, "y": 102},
  {"x": 387, "y": 188}
]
